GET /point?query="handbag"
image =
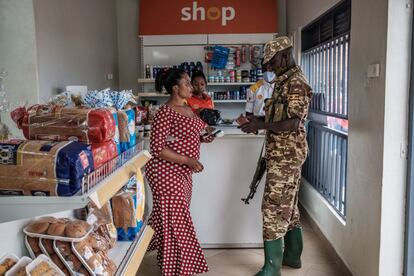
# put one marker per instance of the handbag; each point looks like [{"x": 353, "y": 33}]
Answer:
[{"x": 210, "y": 116}]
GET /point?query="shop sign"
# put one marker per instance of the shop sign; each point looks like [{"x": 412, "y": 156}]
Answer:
[{"x": 166, "y": 17}]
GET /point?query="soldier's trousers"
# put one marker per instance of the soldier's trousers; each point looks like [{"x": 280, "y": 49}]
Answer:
[{"x": 280, "y": 199}]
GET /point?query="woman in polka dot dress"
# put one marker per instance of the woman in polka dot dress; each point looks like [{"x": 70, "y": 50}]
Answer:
[{"x": 175, "y": 147}]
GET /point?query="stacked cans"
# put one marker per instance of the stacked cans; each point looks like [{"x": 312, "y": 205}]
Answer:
[
  {"x": 151, "y": 72},
  {"x": 231, "y": 95}
]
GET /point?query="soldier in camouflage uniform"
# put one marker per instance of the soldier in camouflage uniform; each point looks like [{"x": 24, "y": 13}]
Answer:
[{"x": 286, "y": 151}]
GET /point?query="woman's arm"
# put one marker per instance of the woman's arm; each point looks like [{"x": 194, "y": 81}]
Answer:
[{"x": 174, "y": 157}]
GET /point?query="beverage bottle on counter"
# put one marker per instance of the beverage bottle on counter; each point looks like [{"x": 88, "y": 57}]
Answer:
[
  {"x": 199, "y": 66},
  {"x": 147, "y": 71}
]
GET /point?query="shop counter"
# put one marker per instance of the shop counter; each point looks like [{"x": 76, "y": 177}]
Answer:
[{"x": 220, "y": 217}]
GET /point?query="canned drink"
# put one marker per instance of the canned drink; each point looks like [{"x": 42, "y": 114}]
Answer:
[
  {"x": 227, "y": 79},
  {"x": 252, "y": 72},
  {"x": 216, "y": 79},
  {"x": 210, "y": 78},
  {"x": 221, "y": 79},
  {"x": 259, "y": 72},
  {"x": 154, "y": 72},
  {"x": 232, "y": 73}
]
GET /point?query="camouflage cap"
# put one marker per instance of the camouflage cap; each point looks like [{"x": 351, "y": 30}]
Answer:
[{"x": 273, "y": 46}]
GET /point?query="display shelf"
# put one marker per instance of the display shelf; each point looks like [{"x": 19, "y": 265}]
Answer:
[
  {"x": 152, "y": 95},
  {"x": 128, "y": 255},
  {"x": 229, "y": 101},
  {"x": 141, "y": 80},
  {"x": 229, "y": 83},
  {"x": 98, "y": 187}
]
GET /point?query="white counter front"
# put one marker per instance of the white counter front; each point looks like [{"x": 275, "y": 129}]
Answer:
[{"x": 220, "y": 217}]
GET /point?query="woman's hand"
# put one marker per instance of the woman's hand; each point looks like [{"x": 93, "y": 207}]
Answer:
[
  {"x": 207, "y": 138},
  {"x": 194, "y": 165}
]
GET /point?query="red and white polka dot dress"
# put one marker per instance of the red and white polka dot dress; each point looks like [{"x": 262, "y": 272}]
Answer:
[{"x": 179, "y": 252}]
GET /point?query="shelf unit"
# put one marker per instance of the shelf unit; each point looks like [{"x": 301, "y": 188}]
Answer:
[
  {"x": 152, "y": 95},
  {"x": 208, "y": 84},
  {"x": 96, "y": 188},
  {"x": 229, "y": 101},
  {"x": 99, "y": 187}
]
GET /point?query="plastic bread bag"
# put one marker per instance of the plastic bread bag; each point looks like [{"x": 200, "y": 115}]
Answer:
[
  {"x": 104, "y": 235},
  {"x": 127, "y": 136},
  {"x": 44, "y": 168},
  {"x": 128, "y": 208},
  {"x": 7, "y": 262},
  {"x": 103, "y": 152},
  {"x": 53, "y": 122}
]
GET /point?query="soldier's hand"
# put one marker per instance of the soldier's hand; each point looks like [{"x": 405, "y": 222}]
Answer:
[{"x": 251, "y": 127}]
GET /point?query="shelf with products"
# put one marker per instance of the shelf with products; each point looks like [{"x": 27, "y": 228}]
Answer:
[
  {"x": 152, "y": 95},
  {"x": 99, "y": 187},
  {"x": 229, "y": 101},
  {"x": 208, "y": 83}
]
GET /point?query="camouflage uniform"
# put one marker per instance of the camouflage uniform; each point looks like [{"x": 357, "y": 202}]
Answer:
[{"x": 285, "y": 154}]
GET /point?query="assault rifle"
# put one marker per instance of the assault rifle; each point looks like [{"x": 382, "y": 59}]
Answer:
[{"x": 258, "y": 174}]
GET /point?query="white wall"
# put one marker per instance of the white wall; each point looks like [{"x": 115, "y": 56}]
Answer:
[
  {"x": 395, "y": 137},
  {"x": 371, "y": 241},
  {"x": 77, "y": 44},
  {"x": 18, "y": 54},
  {"x": 128, "y": 51}
]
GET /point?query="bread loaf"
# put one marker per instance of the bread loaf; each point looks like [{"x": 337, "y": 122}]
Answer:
[{"x": 34, "y": 244}]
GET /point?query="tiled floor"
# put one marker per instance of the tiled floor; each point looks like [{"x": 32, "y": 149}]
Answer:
[{"x": 246, "y": 262}]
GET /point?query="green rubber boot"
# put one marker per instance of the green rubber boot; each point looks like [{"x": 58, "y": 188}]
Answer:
[
  {"x": 293, "y": 248},
  {"x": 273, "y": 258}
]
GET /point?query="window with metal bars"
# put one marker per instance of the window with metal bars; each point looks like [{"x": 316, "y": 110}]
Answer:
[{"x": 325, "y": 60}]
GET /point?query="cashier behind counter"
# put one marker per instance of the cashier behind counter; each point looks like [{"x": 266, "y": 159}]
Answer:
[{"x": 200, "y": 99}]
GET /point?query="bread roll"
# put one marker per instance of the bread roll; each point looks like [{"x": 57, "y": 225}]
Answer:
[
  {"x": 57, "y": 229},
  {"x": 75, "y": 230},
  {"x": 39, "y": 227}
]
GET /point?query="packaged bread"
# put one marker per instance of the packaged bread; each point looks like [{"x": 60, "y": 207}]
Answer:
[
  {"x": 114, "y": 113},
  {"x": 128, "y": 209},
  {"x": 52, "y": 122},
  {"x": 103, "y": 152},
  {"x": 19, "y": 269},
  {"x": 43, "y": 266},
  {"x": 7, "y": 262},
  {"x": 43, "y": 168},
  {"x": 126, "y": 124},
  {"x": 89, "y": 259},
  {"x": 32, "y": 245},
  {"x": 46, "y": 246},
  {"x": 96, "y": 216},
  {"x": 64, "y": 252},
  {"x": 57, "y": 228}
]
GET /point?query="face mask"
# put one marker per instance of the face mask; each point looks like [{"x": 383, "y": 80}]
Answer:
[{"x": 269, "y": 76}]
